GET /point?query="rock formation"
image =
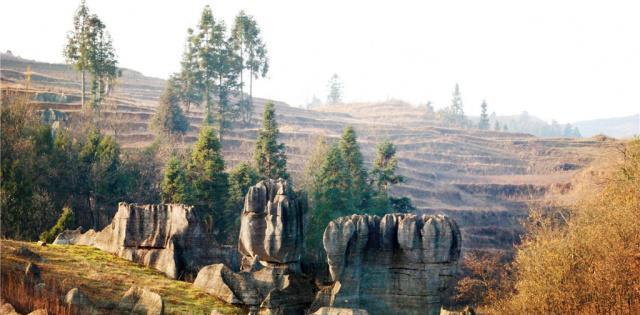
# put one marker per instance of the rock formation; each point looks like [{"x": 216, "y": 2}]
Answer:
[
  {"x": 397, "y": 264},
  {"x": 270, "y": 244},
  {"x": 141, "y": 301},
  {"x": 167, "y": 237},
  {"x": 271, "y": 226}
]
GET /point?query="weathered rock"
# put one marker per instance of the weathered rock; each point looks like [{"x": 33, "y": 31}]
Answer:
[
  {"x": 7, "y": 309},
  {"x": 41, "y": 243},
  {"x": 466, "y": 311},
  {"x": 270, "y": 242},
  {"x": 32, "y": 273},
  {"x": 271, "y": 225},
  {"x": 340, "y": 311},
  {"x": 41, "y": 311},
  {"x": 141, "y": 301},
  {"x": 167, "y": 237},
  {"x": 270, "y": 290},
  {"x": 397, "y": 264},
  {"x": 78, "y": 302}
]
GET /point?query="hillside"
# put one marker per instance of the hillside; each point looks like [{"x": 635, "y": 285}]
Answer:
[
  {"x": 618, "y": 127},
  {"x": 483, "y": 179},
  {"x": 101, "y": 276}
]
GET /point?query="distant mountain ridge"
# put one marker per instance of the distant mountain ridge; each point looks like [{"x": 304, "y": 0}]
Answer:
[{"x": 616, "y": 127}]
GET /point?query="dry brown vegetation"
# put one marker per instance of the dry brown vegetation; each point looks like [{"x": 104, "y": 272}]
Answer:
[{"x": 584, "y": 259}]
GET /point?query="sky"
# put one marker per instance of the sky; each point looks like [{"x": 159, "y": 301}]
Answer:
[{"x": 563, "y": 60}]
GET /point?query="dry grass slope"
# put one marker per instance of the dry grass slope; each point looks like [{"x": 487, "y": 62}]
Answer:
[{"x": 103, "y": 277}]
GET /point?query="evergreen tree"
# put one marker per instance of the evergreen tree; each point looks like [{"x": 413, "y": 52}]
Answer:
[
  {"x": 484, "y": 118},
  {"x": 332, "y": 196},
  {"x": 188, "y": 80},
  {"x": 103, "y": 64},
  {"x": 269, "y": 155},
  {"x": 252, "y": 52},
  {"x": 313, "y": 164},
  {"x": 429, "y": 107},
  {"x": 76, "y": 51},
  {"x": 350, "y": 151},
  {"x": 89, "y": 48},
  {"x": 496, "y": 126},
  {"x": 241, "y": 178},
  {"x": 218, "y": 69},
  {"x": 505, "y": 128},
  {"x": 174, "y": 187},
  {"x": 457, "y": 110},
  {"x": 169, "y": 119},
  {"x": 205, "y": 173},
  {"x": 335, "y": 90},
  {"x": 385, "y": 166}
]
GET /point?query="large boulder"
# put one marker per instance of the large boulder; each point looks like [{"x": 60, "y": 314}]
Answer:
[
  {"x": 268, "y": 290},
  {"x": 271, "y": 225},
  {"x": 397, "y": 264},
  {"x": 270, "y": 243},
  {"x": 141, "y": 301},
  {"x": 339, "y": 311},
  {"x": 167, "y": 237}
]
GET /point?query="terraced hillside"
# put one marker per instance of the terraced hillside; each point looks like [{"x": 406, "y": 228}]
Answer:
[{"x": 484, "y": 179}]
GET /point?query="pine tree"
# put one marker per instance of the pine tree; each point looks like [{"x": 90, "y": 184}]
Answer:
[
  {"x": 252, "y": 52},
  {"x": 332, "y": 195},
  {"x": 335, "y": 90},
  {"x": 205, "y": 173},
  {"x": 457, "y": 109},
  {"x": 352, "y": 156},
  {"x": 76, "y": 51},
  {"x": 169, "y": 119},
  {"x": 241, "y": 178},
  {"x": 188, "y": 80},
  {"x": 383, "y": 175},
  {"x": 484, "y": 118},
  {"x": 174, "y": 187},
  {"x": 385, "y": 166},
  {"x": 496, "y": 126},
  {"x": 103, "y": 64},
  {"x": 269, "y": 155},
  {"x": 218, "y": 69}
]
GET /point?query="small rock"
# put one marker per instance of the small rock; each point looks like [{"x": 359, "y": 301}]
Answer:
[
  {"x": 214, "y": 312},
  {"x": 41, "y": 311},
  {"x": 142, "y": 301},
  {"x": 41, "y": 243},
  {"x": 7, "y": 309},
  {"x": 340, "y": 311},
  {"x": 76, "y": 297}
]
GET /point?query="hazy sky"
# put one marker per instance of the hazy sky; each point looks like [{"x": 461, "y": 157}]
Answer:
[{"x": 568, "y": 60}]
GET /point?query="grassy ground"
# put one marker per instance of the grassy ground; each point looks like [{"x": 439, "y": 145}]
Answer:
[{"x": 104, "y": 278}]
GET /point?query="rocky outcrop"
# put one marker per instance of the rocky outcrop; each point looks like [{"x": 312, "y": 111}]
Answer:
[
  {"x": 397, "y": 264},
  {"x": 340, "y": 311},
  {"x": 270, "y": 243},
  {"x": 167, "y": 237},
  {"x": 268, "y": 290},
  {"x": 141, "y": 301},
  {"x": 271, "y": 225}
]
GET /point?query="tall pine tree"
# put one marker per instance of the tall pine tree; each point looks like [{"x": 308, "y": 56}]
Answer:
[
  {"x": 484, "y": 117},
  {"x": 209, "y": 182},
  {"x": 269, "y": 155},
  {"x": 169, "y": 119},
  {"x": 353, "y": 161},
  {"x": 174, "y": 187}
]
